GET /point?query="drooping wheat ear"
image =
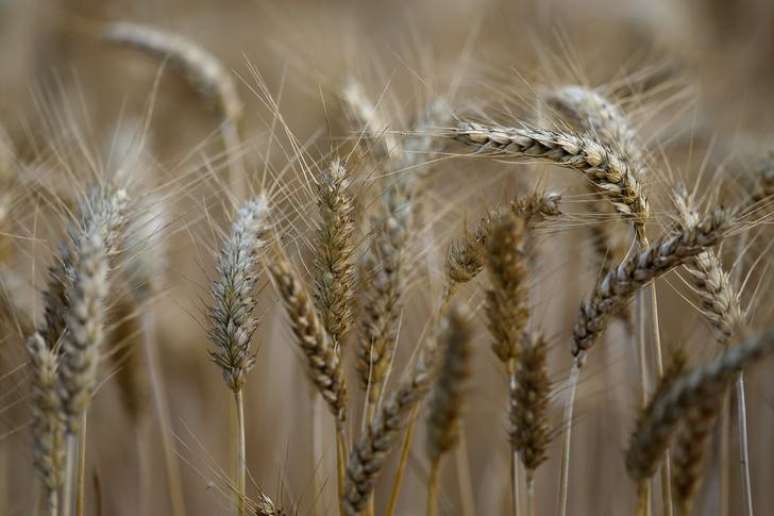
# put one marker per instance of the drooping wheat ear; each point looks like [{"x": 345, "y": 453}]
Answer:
[
  {"x": 649, "y": 455},
  {"x": 334, "y": 281},
  {"x": 719, "y": 301},
  {"x": 618, "y": 286},
  {"x": 529, "y": 394},
  {"x": 322, "y": 358},
  {"x": 47, "y": 423},
  {"x": 205, "y": 71},
  {"x": 507, "y": 300},
  {"x": 689, "y": 451},
  {"x": 447, "y": 399},
  {"x": 688, "y": 390},
  {"x": 588, "y": 111},
  {"x": 233, "y": 293},
  {"x": 466, "y": 256},
  {"x": 207, "y": 75},
  {"x": 369, "y": 455},
  {"x": 600, "y": 164}
]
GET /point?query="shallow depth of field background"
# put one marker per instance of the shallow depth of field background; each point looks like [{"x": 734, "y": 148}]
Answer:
[{"x": 703, "y": 90}]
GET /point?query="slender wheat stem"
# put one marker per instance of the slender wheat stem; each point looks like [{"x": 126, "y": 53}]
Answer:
[
  {"x": 432, "y": 488},
  {"x": 405, "y": 449},
  {"x": 241, "y": 464},
  {"x": 80, "y": 499}
]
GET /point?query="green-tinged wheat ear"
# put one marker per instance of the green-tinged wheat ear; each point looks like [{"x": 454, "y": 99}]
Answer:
[
  {"x": 233, "y": 293},
  {"x": 335, "y": 271},
  {"x": 322, "y": 357}
]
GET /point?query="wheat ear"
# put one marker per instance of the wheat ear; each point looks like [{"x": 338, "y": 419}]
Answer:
[
  {"x": 369, "y": 455},
  {"x": 323, "y": 362},
  {"x": 600, "y": 164},
  {"x": 233, "y": 321},
  {"x": 47, "y": 424},
  {"x": 689, "y": 389},
  {"x": 618, "y": 286},
  {"x": 204, "y": 71},
  {"x": 334, "y": 281},
  {"x": 448, "y": 397}
]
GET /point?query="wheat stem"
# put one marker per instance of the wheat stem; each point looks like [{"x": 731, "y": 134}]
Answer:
[
  {"x": 241, "y": 458},
  {"x": 341, "y": 465},
  {"x": 171, "y": 465},
  {"x": 432, "y": 488},
  {"x": 80, "y": 500},
  {"x": 67, "y": 489},
  {"x": 744, "y": 453},
  {"x": 564, "y": 482},
  {"x": 408, "y": 438}
]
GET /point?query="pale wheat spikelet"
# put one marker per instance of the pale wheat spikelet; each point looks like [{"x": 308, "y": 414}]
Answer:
[
  {"x": 369, "y": 455},
  {"x": 466, "y": 256},
  {"x": 322, "y": 358},
  {"x": 507, "y": 300},
  {"x": 642, "y": 462},
  {"x": 600, "y": 164},
  {"x": 334, "y": 278},
  {"x": 446, "y": 403},
  {"x": 47, "y": 423},
  {"x": 719, "y": 301},
  {"x": 619, "y": 285},
  {"x": 689, "y": 390},
  {"x": 203, "y": 69},
  {"x": 264, "y": 506},
  {"x": 106, "y": 204},
  {"x": 530, "y": 390},
  {"x": 84, "y": 320},
  {"x": 233, "y": 293}
]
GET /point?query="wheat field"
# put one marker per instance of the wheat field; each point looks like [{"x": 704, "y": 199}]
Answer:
[{"x": 386, "y": 258}]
